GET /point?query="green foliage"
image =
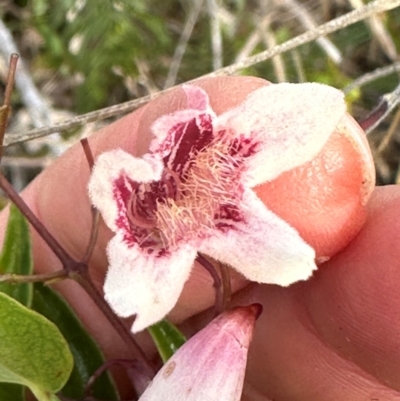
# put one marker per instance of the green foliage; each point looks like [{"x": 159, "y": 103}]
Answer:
[
  {"x": 102, "y": 52},
  {"x": 33, "y": 351},
  {"x": 87, "y": 355},
  {"x": 16, "y": 257},
  {"x": 12, "y": 392},
  {"x": 167, "y": 338},
  {"x": 100, "y": 41}
]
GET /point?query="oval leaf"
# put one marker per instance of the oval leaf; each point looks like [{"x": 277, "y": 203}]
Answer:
[
  {"x": 33, "y": 351},
  {"x": 87, "y": 355},
  {"x": 167, "y": 338},
  {"x": 16, "y": 256}
]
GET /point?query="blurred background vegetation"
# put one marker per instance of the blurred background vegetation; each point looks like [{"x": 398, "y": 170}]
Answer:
[{"x": 82, "y": 55}]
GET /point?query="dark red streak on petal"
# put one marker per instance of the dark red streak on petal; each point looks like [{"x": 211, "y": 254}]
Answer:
[{"x": 190, "y": 138}]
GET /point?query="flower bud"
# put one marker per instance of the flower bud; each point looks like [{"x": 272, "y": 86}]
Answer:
[{"x": 211, "y": 365}]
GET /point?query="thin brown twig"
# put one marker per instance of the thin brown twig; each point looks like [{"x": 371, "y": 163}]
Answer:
[
  {"x": 35, "y": 278},
  {"x": 391, "y": 132},
  {"x": 88, "y": 152},
  {"x": 10, "y": 79},
  {"x": 35, "y": 222},
  {"x": 6, "y": 108},
  {"x": 217, "y": 281},
  {"x": 226, "y": 285},
  {"x": 372, "y": 76},
  {"x": 132, "y": 369},
  {"x": 94, "y": 231},
  {"x": 385, "y": 106}
]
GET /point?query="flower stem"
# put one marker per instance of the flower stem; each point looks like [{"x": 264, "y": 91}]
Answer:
[
  {"x": 139, "y": 378},
  {"x": 217, "y": 281},
  {"x": 59, "y": 251},
  {"x": 226, "y": 285},
  {"x": 94, "y": 231}
]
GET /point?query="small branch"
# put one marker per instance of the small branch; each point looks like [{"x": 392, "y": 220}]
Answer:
[
  {"x": 37, "y": 162},
  {"x": 372, "y": 76},
  {"x": 140, "y": 379},
  {"x": 391, "y": 132},
  {"x": 86, "y": 283},
  {"x": 10, "y": 79},
  {"x": 31, "y": 97},
  {"x": 270, "y": 42},
  {"x": 217, "y": 281},
  {"x": 88, "y": 152},
  {"x": 308, "y": 22},
  {"x": 182, "y": 44},
  {"x": 216, "y": 37},
  {"x": 226, "y": 285},
  {"x": 35, "y": 278},
  {"x": 59, "y": 251},
  {"x": 387, "y": 103},
  {"x": 5, "y": 110},
  {"x": 94, "y": 231},
  {"x": 298, "y": 64}
]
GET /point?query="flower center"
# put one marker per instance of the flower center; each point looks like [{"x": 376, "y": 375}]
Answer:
[
  {"x": 195, "y": 196},
  {"x": 142, "y": 204},
  {"x": 208, "y": 194}
]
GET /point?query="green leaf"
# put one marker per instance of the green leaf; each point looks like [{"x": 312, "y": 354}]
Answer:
[
  {"x": 33, "y": 351},
  {"x": 12, "y": 392},
  {"x": 16, "y": 257},
  {"x": 167, "y": 338},
  {"x": 87, "y": 355}
]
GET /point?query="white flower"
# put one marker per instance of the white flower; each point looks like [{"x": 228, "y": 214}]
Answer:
[
  {"x": 193, "y": 193},
  {"x": 211, "y": 365}
]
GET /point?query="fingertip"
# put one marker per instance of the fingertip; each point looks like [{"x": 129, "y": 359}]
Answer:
[{"x": 325, "y": 199}]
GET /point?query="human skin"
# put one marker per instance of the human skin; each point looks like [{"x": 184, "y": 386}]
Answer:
[{"x": 333, "y": 337}]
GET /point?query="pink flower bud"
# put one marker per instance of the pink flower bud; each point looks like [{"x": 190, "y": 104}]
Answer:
[{"x": 211, "y": 365}]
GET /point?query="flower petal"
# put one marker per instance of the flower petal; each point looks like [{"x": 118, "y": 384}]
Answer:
[
  {"x": 264, "y": 248},
  {"x": 211, "y": 365},
  {"x": 184, "y": 129},
  {"x": 142, "y": 284},
  {"x": 111, "y": 167},
  {"x": 197, "y": 98},
  {"x": 290, "y": 123}
]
